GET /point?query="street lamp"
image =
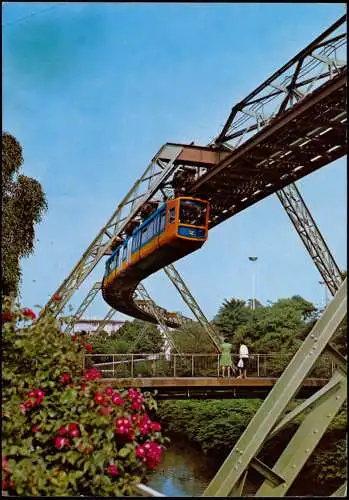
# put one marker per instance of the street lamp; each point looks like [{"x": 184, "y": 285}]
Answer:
[
  {"x": 253, "y": 259},
  {"x": 326, "y": 292}
]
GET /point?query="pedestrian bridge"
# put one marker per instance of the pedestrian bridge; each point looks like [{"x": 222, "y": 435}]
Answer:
[{"x": 196, "y": 376}]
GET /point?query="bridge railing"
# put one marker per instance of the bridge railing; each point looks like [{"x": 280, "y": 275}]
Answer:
[{"x": 194, "y": 365}]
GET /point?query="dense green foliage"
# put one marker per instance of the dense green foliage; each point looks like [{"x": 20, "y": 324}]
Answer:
[
  {"x": 64, "y": 434},
  {"x": 23, "y": 204},
  {"x": 133, "y": 336},
  {"x": 192, "y": 338},
  {"x": 216, "y": 425}
]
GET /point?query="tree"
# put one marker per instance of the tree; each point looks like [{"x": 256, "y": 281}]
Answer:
[
  {"x": 24, "y": 204},
  {"x": 142, "y": 337},
  {"x": 192, "y": 338},
  {"x": 231, "y": 314}
]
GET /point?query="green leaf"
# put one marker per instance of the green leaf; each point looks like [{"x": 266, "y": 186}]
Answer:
[
  {"x": 124, "y": 452},
  {"x": 69, "y": 396}
]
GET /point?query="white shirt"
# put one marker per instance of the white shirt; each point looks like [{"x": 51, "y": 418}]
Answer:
[{"x": 243, "y": 352}]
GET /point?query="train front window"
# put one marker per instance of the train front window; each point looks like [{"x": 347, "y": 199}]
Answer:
[{"x": 192, "y": 212}]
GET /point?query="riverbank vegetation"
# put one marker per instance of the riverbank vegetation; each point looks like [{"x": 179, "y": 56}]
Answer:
[{"x": 214, "y": 426}]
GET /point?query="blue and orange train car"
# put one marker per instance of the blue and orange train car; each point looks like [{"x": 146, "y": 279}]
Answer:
[{"x": 177, "y": 228}]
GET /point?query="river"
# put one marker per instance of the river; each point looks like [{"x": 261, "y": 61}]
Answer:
[{"x": 184, "y": 472}]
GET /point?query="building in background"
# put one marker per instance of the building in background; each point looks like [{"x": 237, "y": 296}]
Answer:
[{"x": 91, "y": 325}]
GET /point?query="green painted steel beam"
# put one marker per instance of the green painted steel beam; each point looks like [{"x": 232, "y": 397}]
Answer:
[
  {"x": 105, "y": 320},
  {"x": 308, "y": 231},
  {"x": 83, "y": 306},
  {"x": 339, "y": 360},
  {"x": 341, "y": 491},
  {"x": 308, "y": 403},
  {"x": 156, "y": 174},
  {"x": 304, "y": 441},
  {"x": 173, "y": 274},
  {"x": 282, "y": 393}
]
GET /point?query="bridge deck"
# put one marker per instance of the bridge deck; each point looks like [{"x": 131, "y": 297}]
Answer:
[{"x": 210, "y": 387}]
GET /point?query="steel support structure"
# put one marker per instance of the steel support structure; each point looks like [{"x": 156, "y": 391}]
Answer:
[
  {"x": 156, "y": 174},
  {"x": 83, "y": 306},
  {"x": 311, "y": 236},
  {"x": 188, "y": 298},
  {"x": 320, "y": 61},
  {"x": 165, "y": 331},
  {"x": 324, "y": 405},
  {"x": 105, "y": 320}
]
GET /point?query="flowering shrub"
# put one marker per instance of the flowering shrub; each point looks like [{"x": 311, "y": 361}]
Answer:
[{"x": 64, "y": 433}]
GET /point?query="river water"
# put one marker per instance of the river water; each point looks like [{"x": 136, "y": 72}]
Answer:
[{"x": 184, "y": 472}]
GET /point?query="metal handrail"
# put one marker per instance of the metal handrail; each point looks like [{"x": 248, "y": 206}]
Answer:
[{"x": 130, "y": 365}]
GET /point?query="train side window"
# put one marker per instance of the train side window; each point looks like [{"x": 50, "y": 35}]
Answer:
[
  {"x": 172, "y": 215},
  {"x": 124, "y": 253},
  {"x": 151, "y": 229},
  {"x": 156, "y": 224},
  {"x": 144, "y": 235},
  {"x": 162, "y": 220},
  {"x": 135, "y": 242}
]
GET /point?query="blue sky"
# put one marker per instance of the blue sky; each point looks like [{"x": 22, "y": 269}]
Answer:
[{"x": 92, "y": 91}]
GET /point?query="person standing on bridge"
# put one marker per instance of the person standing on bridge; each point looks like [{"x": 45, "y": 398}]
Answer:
[
  {"x": 225, "y": 360},
  {"x": 243, "y": 361}
]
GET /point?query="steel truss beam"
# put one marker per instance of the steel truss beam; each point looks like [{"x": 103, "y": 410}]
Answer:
[
  {"x": 308, "y": 231},
  {"x": 105, "y": 320},
  {"x": 321, "y": 60},
  {"x": 325, "y": 404},
  {"x": 83, "y": 306},
  {"x": 188, "y": 298},
  {"x": 143, "y": 295},
  {"x": 158, "y": 171}
]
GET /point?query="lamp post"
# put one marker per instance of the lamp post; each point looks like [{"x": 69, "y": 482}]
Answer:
[
  {"x": 253, "y": 259},
  {"x": 326, "y": 292}
]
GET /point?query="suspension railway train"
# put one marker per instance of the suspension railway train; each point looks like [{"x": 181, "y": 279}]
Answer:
[{"x": 177, "y": 228}]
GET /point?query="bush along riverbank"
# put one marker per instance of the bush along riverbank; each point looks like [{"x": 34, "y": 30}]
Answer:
[
  {"x": 215, "y": 426},
  {"x": 62, "y": 433}
]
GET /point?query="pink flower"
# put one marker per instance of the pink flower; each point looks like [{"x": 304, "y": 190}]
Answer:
[
  {"x": 92, "y": 374},
  {"x": 109, "y": 391},
  {"x": 65, "y": 378},
  {"x": 29, "y": 313},
  {"x": 61, "y": 442},
  {"x": 112, "y": 470},
  {"x": 117, "y": 399},
  {"x": 63, "y": 431},
  {"x": 89, "y": 347},
  {"x": 105, "y": 410},
  {"x": 155, "y": 426}
]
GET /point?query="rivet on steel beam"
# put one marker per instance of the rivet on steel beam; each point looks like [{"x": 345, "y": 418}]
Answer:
[
  {"x": 315, "y": 431},
  {"x": 236, "y": 467},
  {"x": 307, "y": 450},
  {"x": 239, "y": 461}
]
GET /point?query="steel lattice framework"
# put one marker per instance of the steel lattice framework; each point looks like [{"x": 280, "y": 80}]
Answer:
[
  {"x": 291, "y": 125},
  {"x": 271, "y": 417}
]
